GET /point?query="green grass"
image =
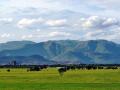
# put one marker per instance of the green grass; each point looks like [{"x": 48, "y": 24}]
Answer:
[{"x": 49, "y": 79}]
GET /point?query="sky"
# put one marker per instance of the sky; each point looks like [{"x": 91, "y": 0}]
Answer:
[{"x": 43, "y": 20}]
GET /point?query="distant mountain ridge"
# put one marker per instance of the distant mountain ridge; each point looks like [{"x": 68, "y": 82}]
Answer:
[
  {"x": 63, "y": 51},
  {"x": 14, "y": 45}
]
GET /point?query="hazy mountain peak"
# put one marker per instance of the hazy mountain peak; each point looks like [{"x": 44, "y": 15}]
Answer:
[{"x": 67, "y": 51}]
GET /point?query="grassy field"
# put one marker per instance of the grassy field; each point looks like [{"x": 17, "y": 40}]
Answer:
[{"x": 49, "y": 79}]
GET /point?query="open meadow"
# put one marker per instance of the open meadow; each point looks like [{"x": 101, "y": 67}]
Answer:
[{"x": 49, "y": 79}]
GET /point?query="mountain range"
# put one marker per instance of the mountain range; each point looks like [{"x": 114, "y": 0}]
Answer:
[{"x": 60, "y": 52}]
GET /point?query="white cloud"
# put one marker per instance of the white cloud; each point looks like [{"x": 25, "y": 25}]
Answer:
[
  {"x": 60, "y": 19},
  {"x": 46, "y": 36},
  {"x": 33, "y": 22},
  {"x": 110, "y": 22},
  {"x": 5, "y": 35},
  {"x": 26, "y": 22},
  {"x": 93, "y": 34},
  {"x": 57, "y": 34},
  {"x": 99, "y": 22},
  {"x": 112, "y": 34},
  {"x": 48, "y": 4},
  {"x": 38, "y": 30},
  {"x": 6, "y": 20},
  {"x": 27, "y": 36},
  {"x": 57, "y": 22}
]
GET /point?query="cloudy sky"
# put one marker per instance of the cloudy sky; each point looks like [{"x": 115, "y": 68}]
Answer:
[{"x": 42, "y": 20}]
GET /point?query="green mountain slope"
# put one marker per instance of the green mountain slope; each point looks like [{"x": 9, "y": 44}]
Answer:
[
  {"x": 71, "y": 51},
  {"x": 14, "y": 45}
]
